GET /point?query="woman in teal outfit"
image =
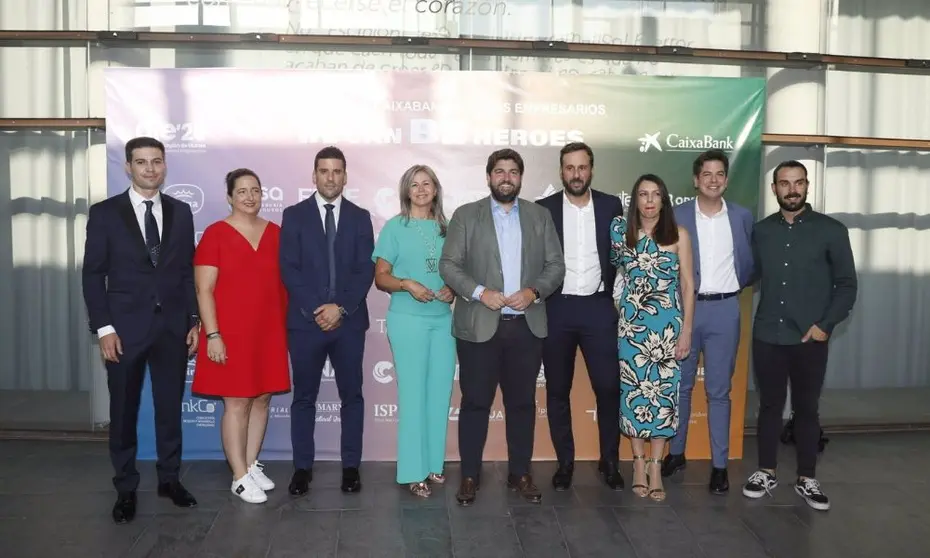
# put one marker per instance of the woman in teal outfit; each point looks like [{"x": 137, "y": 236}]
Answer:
[{"x": 419, "y": 327}]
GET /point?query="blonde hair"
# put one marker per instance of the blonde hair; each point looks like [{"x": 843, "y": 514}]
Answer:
[{"x": 403, "y": 190}]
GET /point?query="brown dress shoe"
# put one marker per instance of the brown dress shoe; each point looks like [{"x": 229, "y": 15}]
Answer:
[
  {"x": 524, "y": 485},
  {"x": 467, "y": 491}
]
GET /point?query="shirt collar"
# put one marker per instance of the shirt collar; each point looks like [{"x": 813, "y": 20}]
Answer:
[
  {"x": 585, "y": 208},
  {"x": 496, "y": 207},
  {"x": 701, "y": 214},
  {"x": 805, "y": 213},
  {"x": 136, "y": 198},
  {"x": 320, "y": 202}
]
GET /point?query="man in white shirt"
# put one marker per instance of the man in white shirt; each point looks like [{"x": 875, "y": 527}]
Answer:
[
  {"x": 720, "y": 239},
  {"x": 138, "y": 281},
  {"x": 581, "y": 314}
]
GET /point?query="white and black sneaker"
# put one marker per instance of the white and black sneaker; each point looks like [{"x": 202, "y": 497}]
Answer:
[
  {"x": 247, "y": 489},
  {"x": 759, "y": 484},
  {"x": 809, "y": 489},
  {"x": 257, "y": 471}
]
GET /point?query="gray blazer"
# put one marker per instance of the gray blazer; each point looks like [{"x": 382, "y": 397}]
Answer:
[{"x": 470, "y": 257}]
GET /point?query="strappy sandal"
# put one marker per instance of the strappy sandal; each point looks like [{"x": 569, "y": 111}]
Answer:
[
  {"x": 420, "y": 489},
  {"x": 656, "y": 494},
  {"x": 640, "y": 490},
  {"x": 437, "y": 478}
]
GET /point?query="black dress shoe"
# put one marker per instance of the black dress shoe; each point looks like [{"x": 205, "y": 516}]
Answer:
[
  {"x": 178, "y": 495},
  {"x": 610, "y": 472},
  {"x": 124, "y": 510},
  {"x": 300, "y": 482},
  {"x": 351, "y": 481},
  {"x": 468, "y": 491},
  {"x": 719, "y": 481},
  {"x": 562, "y": 479},
  {"x": 673, "y": 463}
]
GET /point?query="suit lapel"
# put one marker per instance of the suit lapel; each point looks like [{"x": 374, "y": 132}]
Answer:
[
  {"x": 737, "y": 244},
  {"x": 167, "y": 223},
  {"x": 602, "y": 218},
  {"x": 486, "y": 220},
  {"x": 316, "y": 222},
  {"x": 690, "y": 223},
  {"x": 132, "y": 225},
  {"x": 558, "y": 218},
  {"x": 526, "y": 240}
]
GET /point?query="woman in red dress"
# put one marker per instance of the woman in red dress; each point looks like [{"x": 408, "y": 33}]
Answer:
[{"x": 243, "y": 340}]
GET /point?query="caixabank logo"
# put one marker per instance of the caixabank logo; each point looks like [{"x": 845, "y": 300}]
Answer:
[
  {"x": 191, "y": 194},
  {"x": 681, "y": 142}
]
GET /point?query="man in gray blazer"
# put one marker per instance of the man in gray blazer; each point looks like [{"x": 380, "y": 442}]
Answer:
[
  {"x": 721, "y": 234},
  {"x": 502, "y": 258}
]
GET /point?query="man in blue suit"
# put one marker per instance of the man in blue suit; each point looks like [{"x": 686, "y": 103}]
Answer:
[
  {"x": 138, "y": 282},
  {"x": 720, "y": 239},
  {"x": 326, "y": 266}
]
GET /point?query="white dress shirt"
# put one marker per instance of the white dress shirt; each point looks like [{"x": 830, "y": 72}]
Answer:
[
  {"x": 582, "y": 262},
  {"x": 715, "y": 239},
  {"x": 138, "y": 207},
  {"x": 321, "y": 203}
]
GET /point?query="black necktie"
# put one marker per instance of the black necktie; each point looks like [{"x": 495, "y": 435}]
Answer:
[
  {"x": 331, "y": 248},
  {"x": 151, "y": 233}
]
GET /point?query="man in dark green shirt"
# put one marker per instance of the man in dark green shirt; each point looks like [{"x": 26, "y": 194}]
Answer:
[{"x": 805, "y": 264}]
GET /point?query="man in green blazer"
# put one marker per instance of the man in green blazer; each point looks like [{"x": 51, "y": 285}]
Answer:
[{"x": 502, "y": 258}]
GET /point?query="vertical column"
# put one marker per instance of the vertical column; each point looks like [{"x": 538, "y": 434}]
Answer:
[{"x": 795, "y": 103}]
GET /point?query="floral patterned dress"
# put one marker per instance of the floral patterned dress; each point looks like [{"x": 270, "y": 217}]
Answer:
[{"x": 649, "y": 305}]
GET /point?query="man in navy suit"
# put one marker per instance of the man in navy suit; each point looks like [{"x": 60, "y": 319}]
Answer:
[
  {"x": 581, "y": 313},
  {"x": 138, "y": 279},
  {"x": 326, "y": 266},
  {"x": 721, "y": 235}
]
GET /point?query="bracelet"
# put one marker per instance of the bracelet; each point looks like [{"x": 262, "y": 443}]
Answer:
[{"x": 213, "y": 335}]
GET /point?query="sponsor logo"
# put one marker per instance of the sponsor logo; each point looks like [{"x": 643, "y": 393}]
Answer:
[
  {"x": 496, "y": 415},
  {"x": 382, "y": 373},
  {"x": 199, "y": 412},
  {"x": 550, "y": 189},
  {"x": 678, "y": 142},
  {"x": 328, "y": 411},
  {"x": 329, "y": 373},
  {"x": 177, "y": 136},
  {"x": 272, "y": 200},
  {"x": 541, "y": 377},
  {"x": 593, "y": 413},
  {"x": 191, "y": 194},
  {"x": 385, "y": 412},
  {"x": 387, "y": 204}
]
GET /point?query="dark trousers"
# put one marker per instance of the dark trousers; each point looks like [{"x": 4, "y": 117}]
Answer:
[
  {"x": 309, "y": 350},
  {"x": 588, "y": 322},
  {"x": 166, "y": 355},
  {"x": 512, "y": 359},
  {"x": 805, "y": 366}
]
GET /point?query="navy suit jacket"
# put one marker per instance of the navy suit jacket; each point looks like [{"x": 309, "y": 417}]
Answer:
[
  {"x": 305, "y": 265},
  {"x": 121, "y": 286},
  {"x": 741, "y": 223},
  {"x": 606, "y": 207}
]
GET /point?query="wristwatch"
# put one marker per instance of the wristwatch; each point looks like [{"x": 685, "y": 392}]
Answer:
[
  {"x": 535, "y": 292},
  {"x": 342, "y": 312}
]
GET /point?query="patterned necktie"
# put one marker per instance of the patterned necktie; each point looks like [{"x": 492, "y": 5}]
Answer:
[
  {"x": 331, "y": 248},
  {"x": 152, "y": 241}
]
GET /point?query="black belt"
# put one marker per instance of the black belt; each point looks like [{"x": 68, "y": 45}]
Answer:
[
  {"x": 507, "y": 317},
  {"x": 717, "y": 296}
]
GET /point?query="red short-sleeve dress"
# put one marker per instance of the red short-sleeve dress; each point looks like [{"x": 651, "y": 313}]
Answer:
[{"x": 250, "y": 310}]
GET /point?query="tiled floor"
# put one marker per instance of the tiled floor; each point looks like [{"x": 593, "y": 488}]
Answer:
[{"x": 55, "y": 500}]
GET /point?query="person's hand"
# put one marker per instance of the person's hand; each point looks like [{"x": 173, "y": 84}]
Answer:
[
  {"x": 327, "y": 316},
  {"x": 683, "y": 346},
  {"x": 446, "y": 295},
  {"x": 216, "y": 350},
  {"x": 111, "y": 347},
  {"x": 193, "y": 339},
  {"x": 494, "y": 300},
  {"x": 816, "y": 334},
  {"x": 520, "y": 299},
  {"x": 417, "y": 291}
]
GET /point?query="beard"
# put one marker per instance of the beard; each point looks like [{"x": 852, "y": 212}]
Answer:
[
  {"x": 792, "y": 202},
  {"x": 501, "y": 197},
  {"x": 576, "y": 187}
]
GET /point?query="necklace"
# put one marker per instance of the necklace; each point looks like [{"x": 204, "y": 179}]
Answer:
[{"x": 431, "y": 263}]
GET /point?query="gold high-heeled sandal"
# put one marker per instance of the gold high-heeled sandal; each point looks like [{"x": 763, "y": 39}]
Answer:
[
  {"x": 640, "y": 490},
  {"x": 656, "y": 494}
]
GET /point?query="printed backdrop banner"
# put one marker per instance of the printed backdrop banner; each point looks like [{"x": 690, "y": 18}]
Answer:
[{"x": 274, "y": 121}]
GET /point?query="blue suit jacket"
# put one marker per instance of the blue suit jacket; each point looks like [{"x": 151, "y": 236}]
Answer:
[
  {"x": 120, "y": 284},
  {"x": 741, "y": 223},
  {"x": 305, "y": 266}
]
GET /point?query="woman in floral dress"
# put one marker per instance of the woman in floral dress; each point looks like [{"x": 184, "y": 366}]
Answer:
[{"x": 655, "y": 299}]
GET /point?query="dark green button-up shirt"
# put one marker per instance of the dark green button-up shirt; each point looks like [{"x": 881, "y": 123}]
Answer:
[{"x": 807, "y": 273}]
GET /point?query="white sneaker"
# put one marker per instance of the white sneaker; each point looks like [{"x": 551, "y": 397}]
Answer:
[
  {"x": 257, "y": 472},
  {"x": 248, "y": 490}
]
